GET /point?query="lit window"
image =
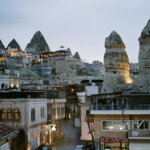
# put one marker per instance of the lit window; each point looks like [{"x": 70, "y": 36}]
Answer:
[
  {"x": 33, "y": 114},
  {"x": 3, "y": 115},
  {"x": 17, "y": 114},
  {"x": 9, "y": 114},
  {"x": 115, "y": 125}
]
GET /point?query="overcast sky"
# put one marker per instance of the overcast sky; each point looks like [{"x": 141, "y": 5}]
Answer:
[{"x": 81, "y": 25}]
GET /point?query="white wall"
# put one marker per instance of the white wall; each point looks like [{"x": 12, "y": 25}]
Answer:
[
  {"x": 37, "y": 106},
  {"x": 139, "y": 146},
  {"x": 5, "y": 146}
]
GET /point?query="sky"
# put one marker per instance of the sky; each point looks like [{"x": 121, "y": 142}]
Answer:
[{"x": 81, "y": 25}]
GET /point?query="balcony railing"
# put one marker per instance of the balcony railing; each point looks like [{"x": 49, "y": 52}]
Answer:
[
  {"x": 121, "y": 107},
  {"x": 139, "y": 134}
]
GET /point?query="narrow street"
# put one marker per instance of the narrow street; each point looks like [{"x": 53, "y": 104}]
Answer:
[{"x": 71, "y": 137}]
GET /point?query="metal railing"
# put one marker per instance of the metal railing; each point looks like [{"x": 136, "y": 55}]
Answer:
[
  {"x": 120, "y": 107},
  {"x": 138, "y": 133}
]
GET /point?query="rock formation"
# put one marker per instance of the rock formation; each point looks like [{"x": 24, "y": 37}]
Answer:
[
  {"x": 13, "y": 45},
  {"x": 37, "y": 43},
  {"x": 2, "y": 47},
  {"x": 77, "y": 56},
  {"x": 143, "y": 80},
  {"x": 116, "y": 64},
  {"x": 69, "y": 51}
]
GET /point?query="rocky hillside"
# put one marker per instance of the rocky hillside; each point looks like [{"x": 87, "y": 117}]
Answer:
[
  {"x": 2, "y": 47},
  {"x": 13, "y": 45},
  {"x": 37, "y": 43},
  {"x": 77, "y": 56}
]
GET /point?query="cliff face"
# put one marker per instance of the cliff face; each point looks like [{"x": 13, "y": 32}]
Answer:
[
  {"x": 2, "y": 47},
  {"x": 143, "y": 80},
  {"x": 116, "y": 64},
  {"x": 13, "y": 45},
  {"x": 37, "y": 43}
]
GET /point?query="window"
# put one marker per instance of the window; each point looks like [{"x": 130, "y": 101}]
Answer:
[
  {"x": 115, "y": 125},
  {"x": 9, "y": 114},
  {"x": 33, "y": 114},
  {"x": 58, "y": 111},
  {"x": 3, "y": 115},
  {"x": 144, "y": 125},
  {"x": 42, "y": 112},
  {"x": 62, "y": 110},
  {"x": 53, "y": 111},
  {"x": 17, "y": 114},
  {"x": 134, "y": 125},
  {"x": 140, "y": 125}
]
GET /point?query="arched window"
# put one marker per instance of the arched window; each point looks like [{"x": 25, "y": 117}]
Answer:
[
  {"x": 33, "y": 114},
  {"x": 9, "y": 114},
  {"x": 17, "y": 114},
  {"x": 3, "y": 115}
]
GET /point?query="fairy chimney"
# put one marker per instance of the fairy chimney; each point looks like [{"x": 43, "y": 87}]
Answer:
[
  {"x": 143, "y": 80},
  {"x": 117, "y": 67}
]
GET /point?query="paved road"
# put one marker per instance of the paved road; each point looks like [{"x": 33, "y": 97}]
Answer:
[{"x": 71, "y": 137}]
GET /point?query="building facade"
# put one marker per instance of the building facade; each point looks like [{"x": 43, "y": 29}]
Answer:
[
  {"x": 28, "y": 114},
  {"x": 121, "y": 121}
]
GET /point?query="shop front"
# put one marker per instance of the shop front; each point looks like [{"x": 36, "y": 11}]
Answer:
[{"x": 105, "y": 143}]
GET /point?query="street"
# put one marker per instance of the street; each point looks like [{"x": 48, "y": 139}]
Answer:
[{"x": 71, "y": 137}]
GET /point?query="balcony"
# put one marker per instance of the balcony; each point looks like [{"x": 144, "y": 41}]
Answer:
[
  {"x": 139, "y": 134},
  {"x": 120, "y": 109}
]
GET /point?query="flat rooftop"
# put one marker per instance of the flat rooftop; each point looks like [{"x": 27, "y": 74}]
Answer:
[{"x": 22, "y": 94}]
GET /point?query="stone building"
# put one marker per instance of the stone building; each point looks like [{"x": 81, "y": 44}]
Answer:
[
  {"x": 26, "y": 112},
  {"x": 56, "y": 114},
  {"x": 6, "y": 137},
  {"x": 9, "y": 78}
]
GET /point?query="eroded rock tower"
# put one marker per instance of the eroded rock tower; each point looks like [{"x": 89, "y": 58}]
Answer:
[
  {"x": 143, "y": 80},
  {"x": 117, "y": 67}
]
